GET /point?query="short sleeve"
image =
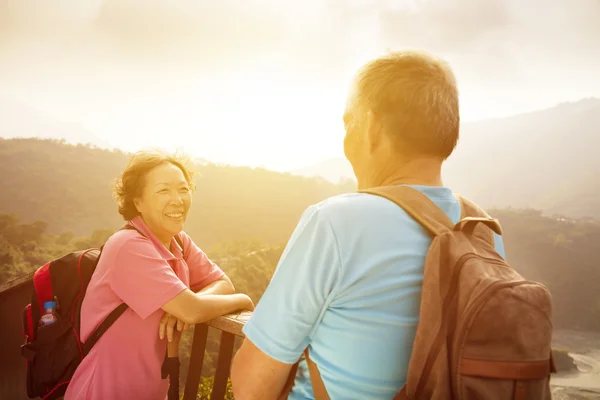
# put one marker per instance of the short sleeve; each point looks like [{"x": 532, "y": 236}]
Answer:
[
  {"x": 303, "y": 285},
  {"x": 203, "y": 271},
  {"x": 499, "y": 245},
  {"x": 142, "y": 278}
]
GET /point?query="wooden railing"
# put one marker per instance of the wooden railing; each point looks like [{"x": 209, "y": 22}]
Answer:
[
  {"x": 16, "y": 294},
  {"x": 230, "y": 327}
]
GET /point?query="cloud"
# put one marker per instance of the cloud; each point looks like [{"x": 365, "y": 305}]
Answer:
[
  {"x": 494, "y": 45},
  {"x": 318, "y": 36},
  {"x": 137, "y": 68},
  {"x": 301, "y": 40},
  {"x": 192, "y": 31},
  {"x": 444, "y": 25},
  {"x": 505, "y": 38}
]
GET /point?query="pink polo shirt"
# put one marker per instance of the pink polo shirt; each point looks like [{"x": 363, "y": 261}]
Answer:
[{"x": 126, "y": 362}]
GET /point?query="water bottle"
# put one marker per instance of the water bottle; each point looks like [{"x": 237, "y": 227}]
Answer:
[{"x": 49, "y": 316}]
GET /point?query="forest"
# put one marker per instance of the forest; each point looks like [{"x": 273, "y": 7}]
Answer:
[{"x": 57, "y": 199}]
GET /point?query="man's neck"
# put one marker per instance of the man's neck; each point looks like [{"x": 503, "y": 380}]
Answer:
[{"x": 422, "y": 172}]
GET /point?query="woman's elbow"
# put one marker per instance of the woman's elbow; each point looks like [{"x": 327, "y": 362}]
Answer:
[{"x": 229, "y": 288}]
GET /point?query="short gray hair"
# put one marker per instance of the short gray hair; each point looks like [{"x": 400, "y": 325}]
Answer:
[{"x": 416, "y": 96}]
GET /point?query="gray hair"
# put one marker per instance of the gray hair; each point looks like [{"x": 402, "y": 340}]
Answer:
[{"x": 415, "y": 95}]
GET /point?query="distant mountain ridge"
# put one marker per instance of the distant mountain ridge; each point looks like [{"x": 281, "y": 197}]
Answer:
[
  {"x": 69, "y": 187},
  {"x": 546, "y": 159}
]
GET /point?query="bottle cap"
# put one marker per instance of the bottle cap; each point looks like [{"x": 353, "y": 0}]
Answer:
[{"x": 50, "y": 304}]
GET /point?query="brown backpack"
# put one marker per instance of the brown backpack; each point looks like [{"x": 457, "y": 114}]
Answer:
[{"x": 484, "y": 332}]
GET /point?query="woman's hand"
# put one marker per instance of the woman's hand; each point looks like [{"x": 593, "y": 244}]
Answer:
[
  {"x": 167, "y": 326},
  {"x": 195, "y": 308},
  {"x": 169, "y": 323}
]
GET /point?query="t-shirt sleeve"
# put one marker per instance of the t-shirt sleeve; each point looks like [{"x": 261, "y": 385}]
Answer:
[
  {"x": 203, "y": 271},
  {"x": 142, "y": 278},
  {"x": 499, "y": 245},
  {"x": 303, "y": 285}
]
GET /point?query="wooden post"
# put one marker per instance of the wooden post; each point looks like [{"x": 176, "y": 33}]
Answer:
[
  {"x": 14, "y": 296},
  {"x": 196, "y": 360},
  {"x": 223, "y": 367}
]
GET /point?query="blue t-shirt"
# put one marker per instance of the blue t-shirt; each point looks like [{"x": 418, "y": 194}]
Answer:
[{"x": 348, "y": 286}]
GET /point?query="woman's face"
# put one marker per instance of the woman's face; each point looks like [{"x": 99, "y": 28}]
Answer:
[{"x": 165, "y": 201}]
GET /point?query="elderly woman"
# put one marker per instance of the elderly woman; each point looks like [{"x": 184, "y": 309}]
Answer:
[{"x": 162, "y": 283}]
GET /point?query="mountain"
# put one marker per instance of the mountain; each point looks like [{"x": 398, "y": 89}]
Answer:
[
  {"x": 20, "y": 120},
  {"x": 545, "y": 160},
  {"x": 68, "y": 187},
  {"x": 333, "y": 169},
  {"x": 60, "y": 198}
]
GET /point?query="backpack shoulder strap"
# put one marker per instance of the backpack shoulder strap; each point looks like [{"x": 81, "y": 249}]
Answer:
[
  {"x": 471, "y": 214},
  {"x": 470, "y": 209},
  {"x": 112, "y": 317},
  {"x": 417, "y": 205},
  {"x": 103, "y": 327},
  {"x": 117, "y": 312},
  {"x": 318, "y": 386}
]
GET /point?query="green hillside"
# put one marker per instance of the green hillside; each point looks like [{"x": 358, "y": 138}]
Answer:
[{"x": 68, "y": 187}]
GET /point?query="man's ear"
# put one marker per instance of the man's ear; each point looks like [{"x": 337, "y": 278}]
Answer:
[{"x": 373, "y": 131}]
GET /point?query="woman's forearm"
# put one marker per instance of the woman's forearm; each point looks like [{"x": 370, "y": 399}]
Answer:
[
  {"x": 211, "y": 306},
  {"x": 193, "y": 308}
]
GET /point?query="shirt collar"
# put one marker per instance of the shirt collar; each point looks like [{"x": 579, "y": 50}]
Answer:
[{"x": 177, "y": 253}]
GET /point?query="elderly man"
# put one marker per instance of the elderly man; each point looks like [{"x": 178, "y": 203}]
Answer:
[{"x": 348, "y": 285}]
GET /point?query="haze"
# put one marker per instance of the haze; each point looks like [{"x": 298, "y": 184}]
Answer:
[{"x": 263, "y": 83}]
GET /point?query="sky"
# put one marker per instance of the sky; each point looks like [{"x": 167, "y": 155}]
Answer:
[{"x": 264, "y": 82}]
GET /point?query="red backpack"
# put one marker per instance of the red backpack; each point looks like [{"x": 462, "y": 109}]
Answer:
[{"x": 52, "y": 353}]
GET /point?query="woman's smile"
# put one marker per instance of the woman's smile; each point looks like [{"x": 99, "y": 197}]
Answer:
[{"x": 175, "y": 216}]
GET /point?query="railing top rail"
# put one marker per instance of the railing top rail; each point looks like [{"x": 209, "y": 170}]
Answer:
[
  {"x": 6, "y": 286},
  {"x": 232, "y": 323}
]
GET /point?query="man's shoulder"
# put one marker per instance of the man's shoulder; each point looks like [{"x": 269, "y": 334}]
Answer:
[
  {"x": 349, "y": 202},
  {"x": 356, "y": 204},
  {"x": 349, "y": 214}
]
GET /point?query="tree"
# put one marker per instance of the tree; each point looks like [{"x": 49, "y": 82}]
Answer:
[
  {"x": 65, "y": 238},
  {"x": 32, "y": 232}
]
